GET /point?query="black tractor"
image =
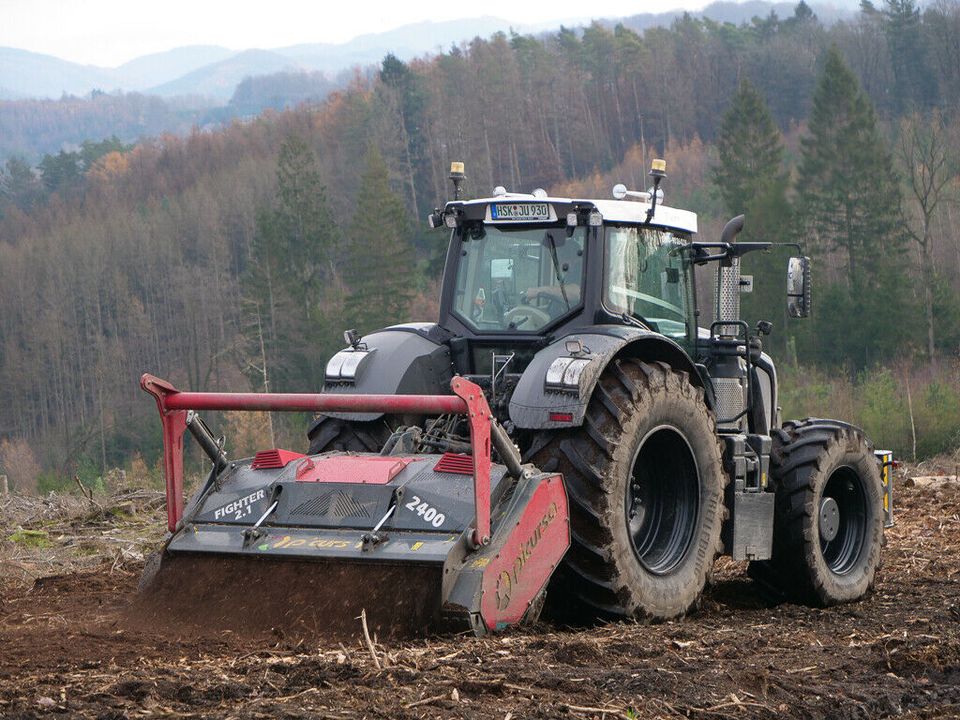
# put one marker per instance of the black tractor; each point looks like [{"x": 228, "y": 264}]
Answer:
[{"x": 579, "y": 321}]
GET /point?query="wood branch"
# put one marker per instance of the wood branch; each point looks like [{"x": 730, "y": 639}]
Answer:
[{"x": 368, "y": 641}]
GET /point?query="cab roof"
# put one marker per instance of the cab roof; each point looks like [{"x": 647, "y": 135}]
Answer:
[{"x": 625, "y": 211}]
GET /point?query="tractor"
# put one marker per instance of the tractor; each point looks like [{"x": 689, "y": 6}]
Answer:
[{"x": 569, "y": 434}]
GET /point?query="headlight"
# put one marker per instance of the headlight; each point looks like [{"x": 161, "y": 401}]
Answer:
[
  {"x": 564, "y": 374},
  {"x": 345, "y": 366}
]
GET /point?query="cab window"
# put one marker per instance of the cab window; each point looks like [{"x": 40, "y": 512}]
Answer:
[
  {"x": 646, "y": 276},
  {"x": 518, "y": 279}
]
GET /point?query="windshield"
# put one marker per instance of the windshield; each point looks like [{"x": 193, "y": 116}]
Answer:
[
  {"x": 646, "y": 279},
  {"x": 518, "y": 279}
]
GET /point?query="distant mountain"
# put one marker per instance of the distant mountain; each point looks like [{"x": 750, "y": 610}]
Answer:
[
  {"x": 405, "y": 42},
  {"x": 29, "y": 74},
  {"x": 215, "y": 72},
  {"x": 150, "y": 70},
  {"x": 25, "y": 74},
  {"x": 218, "y": 80},
  {"x": 736, "y": 13}
]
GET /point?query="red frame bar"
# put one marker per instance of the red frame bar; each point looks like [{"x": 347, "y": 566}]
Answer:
[{"x": 468, "y": 399}]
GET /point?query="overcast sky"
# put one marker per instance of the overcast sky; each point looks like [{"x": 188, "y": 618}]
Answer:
[{"x": 110, "y": 32}]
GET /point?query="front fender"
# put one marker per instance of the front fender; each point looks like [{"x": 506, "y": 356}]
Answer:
[
  {"x": 404, "y": 360},
  {"x": 532, "y": 404}
]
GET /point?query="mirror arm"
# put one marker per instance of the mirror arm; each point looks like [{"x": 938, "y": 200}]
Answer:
[{"x": 729, "y": 251}]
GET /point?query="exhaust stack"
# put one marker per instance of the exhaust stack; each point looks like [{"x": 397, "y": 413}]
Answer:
[
  {"x": 729, "y": 372},
  {"x": 728, "y": 279}
]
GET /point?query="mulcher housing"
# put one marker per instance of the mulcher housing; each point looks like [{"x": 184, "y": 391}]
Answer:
[{"x": 493, "y": 539}]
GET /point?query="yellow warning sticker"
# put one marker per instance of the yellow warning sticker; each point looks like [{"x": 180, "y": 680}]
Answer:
[{"x": 417, "y": 545}]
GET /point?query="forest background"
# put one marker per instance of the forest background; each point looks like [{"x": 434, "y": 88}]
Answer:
[{"x": 234, "y": 259}]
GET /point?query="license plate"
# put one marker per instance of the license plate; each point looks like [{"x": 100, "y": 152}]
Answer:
[{"x": 529, "y": 212}]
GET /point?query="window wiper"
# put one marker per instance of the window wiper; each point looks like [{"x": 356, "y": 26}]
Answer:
[{"x": 556, "y": 268}]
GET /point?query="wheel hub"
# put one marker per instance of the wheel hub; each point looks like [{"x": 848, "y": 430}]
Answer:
[
  {"x": 662, "y": 500},
  {"x": 829, "y": 519}
]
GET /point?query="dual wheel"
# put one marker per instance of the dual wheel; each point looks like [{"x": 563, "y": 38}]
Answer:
[{"x": 828, "y": 528}]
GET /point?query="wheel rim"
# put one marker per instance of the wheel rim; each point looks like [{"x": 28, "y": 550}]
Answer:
[
  {"x": 663, "y": 500},
  {"x": 842, "y": 520}
]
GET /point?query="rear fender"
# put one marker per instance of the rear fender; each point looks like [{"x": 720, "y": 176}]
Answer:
[
  {"x": 402, "y": 360},
  {"x": 533, "y": 405}
]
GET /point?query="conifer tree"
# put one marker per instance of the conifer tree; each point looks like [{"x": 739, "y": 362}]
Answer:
[
  {"x": 847, "y": 183},
  {"x": 914, "y": 85},
  {"x": 379, "y": 273},
  {"x": 750, "y": 178},
  {"x": 749, "y": 150},
  {"x": 286, "y": 284},
  {"x": 850, "y": 208}
]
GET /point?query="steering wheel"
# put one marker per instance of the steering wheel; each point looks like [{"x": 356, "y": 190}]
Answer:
[
  {"x": 523, "y": 314},
  {"x": 555, "y": 306}
]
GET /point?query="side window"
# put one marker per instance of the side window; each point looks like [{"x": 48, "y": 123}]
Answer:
[
  {"x": 647, "y": 278},
  {"x": 625, "y": 258}
]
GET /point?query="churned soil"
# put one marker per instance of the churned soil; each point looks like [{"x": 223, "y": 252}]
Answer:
[{"x": 76, "y": 644}]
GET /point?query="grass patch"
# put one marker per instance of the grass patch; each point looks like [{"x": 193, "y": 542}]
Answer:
[{"x": 31, "y": 538}]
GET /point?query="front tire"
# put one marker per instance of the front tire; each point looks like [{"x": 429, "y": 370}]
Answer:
[
  {"x": 645, "y": 483},
  {"x": 327, "y": 434},
  {"x": 828, "y": 524}
]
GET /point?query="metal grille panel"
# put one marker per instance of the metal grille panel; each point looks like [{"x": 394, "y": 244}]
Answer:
[
  {"x": 337, "y": 504},
  {"x": 319, "y": 505},
  {"x": 455, "y": 464},
  {"x": 729, "y": 396},
  {"x": 728, "y": 292},
  {"x": 345, "y": 506}
]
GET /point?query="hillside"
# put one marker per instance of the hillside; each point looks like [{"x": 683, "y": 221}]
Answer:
[
  {"x": 219, "y": 80},
  {"x": 25, "y": 74},
  {"x": 161, "y": 257},
  {"x": 148, "y": 71},
  {"x": 215, "y": 71},
  {"x": 223, "y": 84},
  {"x": 209, "y": 70}
]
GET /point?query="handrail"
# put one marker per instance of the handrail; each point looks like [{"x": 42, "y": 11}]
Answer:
[{"x": 468, "y": 399}]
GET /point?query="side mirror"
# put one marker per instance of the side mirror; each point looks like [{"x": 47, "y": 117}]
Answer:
[{"x": 798, "y": 287}]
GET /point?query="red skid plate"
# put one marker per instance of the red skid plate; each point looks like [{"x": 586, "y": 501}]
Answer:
[{"x": 351, "y": 469}]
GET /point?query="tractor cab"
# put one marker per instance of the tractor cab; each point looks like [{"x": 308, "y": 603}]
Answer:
[{"x": 525, "y": 268}]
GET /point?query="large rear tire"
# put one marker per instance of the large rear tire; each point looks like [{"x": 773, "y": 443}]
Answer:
[
  {"x": 828, "y": 524},
  {"x": 645, "y": 484}
]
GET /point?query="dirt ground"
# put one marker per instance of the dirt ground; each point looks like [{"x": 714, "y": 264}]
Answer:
[{"x": 68, "y": 646}]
